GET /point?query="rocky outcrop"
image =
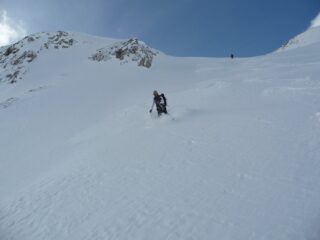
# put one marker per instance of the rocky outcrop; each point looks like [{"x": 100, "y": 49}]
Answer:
[
  {"x": 126, "y": 51},
  {"x": 59, "y": 40},
  {"x": 13, "y": 64},
  {"x": 14, "y": 59}
]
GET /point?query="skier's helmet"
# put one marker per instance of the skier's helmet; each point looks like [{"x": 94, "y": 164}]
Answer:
[{"x": 155, "y": 93}]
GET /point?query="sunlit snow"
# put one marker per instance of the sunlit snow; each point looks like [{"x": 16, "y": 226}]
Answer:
[{"x": 237, "y": 158}]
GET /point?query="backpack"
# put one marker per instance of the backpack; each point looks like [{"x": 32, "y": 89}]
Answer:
[{"x": 164, "y": 99}]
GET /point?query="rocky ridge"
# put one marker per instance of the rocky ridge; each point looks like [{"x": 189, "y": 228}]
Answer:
[
  {"x": 14, "y": 59},
  {"x": 126, "y": 51}
]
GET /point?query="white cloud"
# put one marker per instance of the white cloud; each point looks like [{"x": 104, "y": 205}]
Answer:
[
  {"x": 316, "y": 22},
  {"x": 10, "y": 31}
]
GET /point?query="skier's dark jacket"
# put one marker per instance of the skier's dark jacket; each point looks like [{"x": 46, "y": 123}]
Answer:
[
  {"x": 157, "y": 100},
  {"x": 161, "y": 105}
]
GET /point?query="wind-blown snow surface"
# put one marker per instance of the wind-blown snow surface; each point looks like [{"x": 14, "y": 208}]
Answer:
[{"x": 81, "y": 158}]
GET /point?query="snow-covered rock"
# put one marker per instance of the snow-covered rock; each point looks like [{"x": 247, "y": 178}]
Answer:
[
  {"x": 127, "y": 51},
  {"x": 15, "y": 58}
]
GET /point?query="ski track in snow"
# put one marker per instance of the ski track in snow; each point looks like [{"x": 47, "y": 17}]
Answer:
[{"x": 8, "y": 102}]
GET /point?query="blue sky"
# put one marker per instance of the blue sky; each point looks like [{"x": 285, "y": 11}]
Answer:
[{"x": 177, "y": 27}]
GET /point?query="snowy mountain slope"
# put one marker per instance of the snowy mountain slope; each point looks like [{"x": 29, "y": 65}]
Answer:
[
  {"x": 311, "y": 36},
  {"x": 14, "y": 58},
  {"x": 82, "y": 158}
]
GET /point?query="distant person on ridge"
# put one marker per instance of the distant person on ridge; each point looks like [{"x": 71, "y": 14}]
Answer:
[
  {"x": 161, "y": 103},
  {"x": 231, "y": 56}
]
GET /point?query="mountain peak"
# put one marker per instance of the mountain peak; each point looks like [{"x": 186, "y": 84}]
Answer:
[
  {"x": 130, "y": 50},
  {"x": 14, "y": 58}
]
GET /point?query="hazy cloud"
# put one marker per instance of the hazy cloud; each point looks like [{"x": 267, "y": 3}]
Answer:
[
  {"x": 316, "y": 22},
  {"x": 10, "y": 30}
]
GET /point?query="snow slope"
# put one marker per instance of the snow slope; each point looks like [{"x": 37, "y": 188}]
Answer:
[
  {"x": 237, "y": 158},
  {"x": 309, "y": 37}
]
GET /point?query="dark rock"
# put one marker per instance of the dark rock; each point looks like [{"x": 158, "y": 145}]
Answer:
[
  {"x": 29, "y": 55},
  {"x": 31, "y": 39},
  {"x": 11, "y": 50}
]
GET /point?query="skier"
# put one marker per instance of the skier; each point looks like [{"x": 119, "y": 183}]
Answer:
[
  {"x": 231, "y": 56},
  {"x": 161, "y": 103}
]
